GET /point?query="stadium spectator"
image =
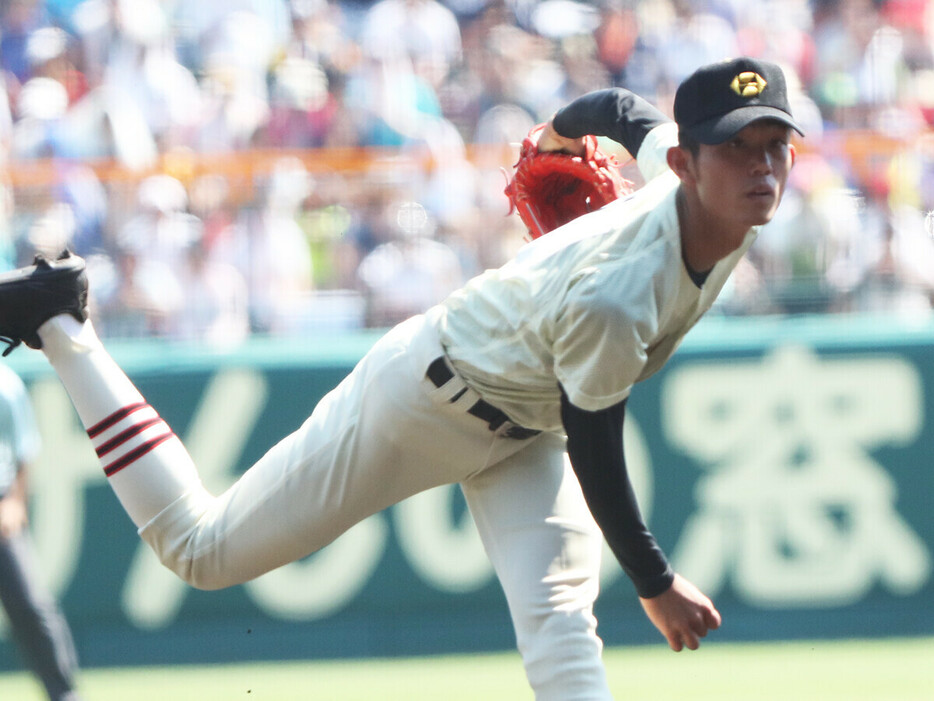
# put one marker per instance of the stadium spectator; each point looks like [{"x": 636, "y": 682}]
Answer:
[
  {"x": 899, "y": 276},
  {"x": 272, "y": 251},
  {"x": 301, "y": 108},
  {"x": 424, "y": 31},
  {"x": 411, "y": 271},
  {"x": 215, "y": 311},
  {"x": 134, "y": 296},
  {"x": 18, "y": 19}
]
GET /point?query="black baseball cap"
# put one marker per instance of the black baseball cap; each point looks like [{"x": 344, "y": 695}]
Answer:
[{"x": 720, "y": 99}]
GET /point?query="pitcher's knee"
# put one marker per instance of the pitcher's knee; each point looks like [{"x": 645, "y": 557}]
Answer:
[{"x": 181, "y": 540}]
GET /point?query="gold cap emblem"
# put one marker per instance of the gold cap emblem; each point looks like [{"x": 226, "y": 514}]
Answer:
[{"x": 748, "y": 84}]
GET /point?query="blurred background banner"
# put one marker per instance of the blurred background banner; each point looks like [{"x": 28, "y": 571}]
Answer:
[{"x": 785, "y": 466}]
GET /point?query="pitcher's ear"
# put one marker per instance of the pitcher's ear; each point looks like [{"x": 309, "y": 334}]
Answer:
[{"x": 680, "y": 160}]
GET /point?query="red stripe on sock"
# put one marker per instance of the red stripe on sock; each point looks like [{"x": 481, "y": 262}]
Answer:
[
  {"x": 135, "y": 454},
  {"x": 126, "y": 435},
  {"x": 115, "y": 418}
]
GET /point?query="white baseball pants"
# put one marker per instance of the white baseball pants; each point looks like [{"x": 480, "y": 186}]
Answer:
[{"x": 384, "y": 434}]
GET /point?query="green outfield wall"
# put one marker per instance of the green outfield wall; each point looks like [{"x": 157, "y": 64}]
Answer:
[{"x": 784, "y": 464}]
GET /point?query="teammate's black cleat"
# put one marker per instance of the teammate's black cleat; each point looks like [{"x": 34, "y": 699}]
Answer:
[{"x": 31, "y": 296}]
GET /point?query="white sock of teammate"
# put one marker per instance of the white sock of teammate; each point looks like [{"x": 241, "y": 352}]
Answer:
[{"x": 146, "y": 464}]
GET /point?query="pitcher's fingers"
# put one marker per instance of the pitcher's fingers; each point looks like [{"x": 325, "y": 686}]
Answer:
[
  {"x": 712, "y": 618},
  {"x": 690, "y": 641}
]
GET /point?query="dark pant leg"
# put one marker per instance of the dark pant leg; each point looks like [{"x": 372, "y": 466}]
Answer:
[{"x": 38, "y": 627}]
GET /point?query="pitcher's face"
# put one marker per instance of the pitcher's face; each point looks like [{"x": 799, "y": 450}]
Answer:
[{"x": 742, "y": 180}]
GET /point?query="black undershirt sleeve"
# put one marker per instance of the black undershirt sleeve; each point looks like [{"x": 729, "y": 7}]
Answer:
[
  {"x": 616, "y": 113},
  {"x": 595, "y": 447}
]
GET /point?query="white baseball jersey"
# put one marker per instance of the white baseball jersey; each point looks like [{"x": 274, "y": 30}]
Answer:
[{"x": 618, "y": 310}]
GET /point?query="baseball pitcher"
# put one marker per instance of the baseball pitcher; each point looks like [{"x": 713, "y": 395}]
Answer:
[{"x": 515, "y": 386}]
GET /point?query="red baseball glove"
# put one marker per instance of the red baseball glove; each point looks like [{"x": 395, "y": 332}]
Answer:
[{"x": 551, "y": 188}]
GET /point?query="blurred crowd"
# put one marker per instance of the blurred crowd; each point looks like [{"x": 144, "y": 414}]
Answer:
[{"x": 433, "y": 87}]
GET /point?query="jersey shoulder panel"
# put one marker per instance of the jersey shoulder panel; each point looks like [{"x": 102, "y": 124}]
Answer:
[{"x": 652, "y": 158}]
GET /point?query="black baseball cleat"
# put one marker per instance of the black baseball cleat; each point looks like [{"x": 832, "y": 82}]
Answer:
[{"x": 31, "y": 296}]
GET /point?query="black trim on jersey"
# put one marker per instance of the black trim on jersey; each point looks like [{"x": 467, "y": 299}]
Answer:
[
  {"x": 595, "y": 446},
  {"x": 615, "y": 112},
  {"x": 697, "y": 278}
]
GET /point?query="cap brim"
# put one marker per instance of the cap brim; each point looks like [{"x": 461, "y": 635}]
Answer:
[{"x": 721, "y": 128}]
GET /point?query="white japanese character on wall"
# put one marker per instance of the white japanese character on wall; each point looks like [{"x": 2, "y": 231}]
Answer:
[{"x": 792, "y": 507}]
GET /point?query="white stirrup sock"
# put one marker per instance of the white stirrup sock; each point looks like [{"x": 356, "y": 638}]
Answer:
[{"x": 146, "y": 464}]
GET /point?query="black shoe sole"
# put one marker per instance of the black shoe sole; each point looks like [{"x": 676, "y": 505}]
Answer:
[{"x": 31, "y": 296}]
